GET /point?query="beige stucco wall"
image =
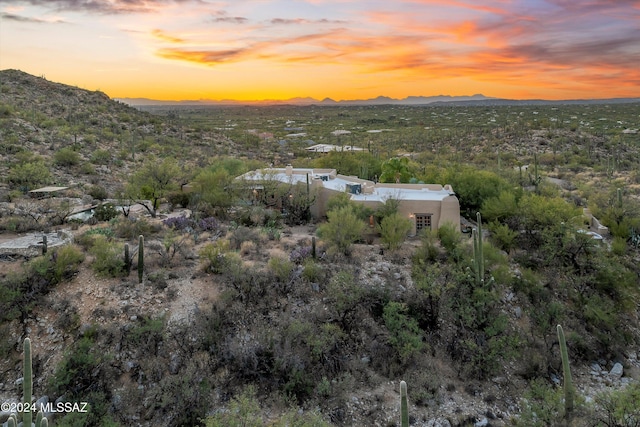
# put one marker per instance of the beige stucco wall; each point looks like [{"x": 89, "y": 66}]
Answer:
[{"x": 445, "y": 211}]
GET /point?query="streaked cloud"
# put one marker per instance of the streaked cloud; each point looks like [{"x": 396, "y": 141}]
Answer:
[
  {"x": 161, "y": 35},
  {"x": 20, "y": 18},
  {"x": 99, "y": 6}
]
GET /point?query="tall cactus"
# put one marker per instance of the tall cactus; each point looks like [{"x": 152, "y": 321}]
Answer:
[
  {"x": 27, "y": 383},
  {"x": 12, "y": 421},
  {"x": 127, "y": 259},
  {"x": 140, "y": 258},
  {"x": 619, "y": 197},
  {"x": 44, "y": 245},
  {"x": 478, "y": 254},
  {"x": 404, "y": 405},
  {"x": 313, "y": 247},
  {"x": 569, "y": 392}
]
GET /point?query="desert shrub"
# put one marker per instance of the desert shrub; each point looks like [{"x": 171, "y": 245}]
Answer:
[
  {"x": 481, "y": 340},
  {"x": 425, "y": 383},
  {"x": 394, "y": 229},
  {"x": 105, "y": 212},
  {"x": 179, "y": 223},
  {"x": 404, "y": 333},
  {"x": 178, "y": 198},
  {"x": 247, "y": 247},
  {"x": 450, "y": 238},
  {"x": 145, "y": 335},
  {"x": 66, "y": 260},
  {"x": 474, "y": 186},
  {"x": 342, "y": 229},
  {"x": 281, "y": 268},
  {"x": 83, "y": 375},
  {"x": 18, "y": 224},
  {"x": 504, "y": 237},
  {"x": 313, "y": 271},
  {"x": 131, "y": 228},
  {"x": 243, "y": 234},
  {"x": 618, "y": 408},
  {"x": 619, "y": 245},
  {"x": 244, "y": 411},
  {"x": 20, "y": 290},
  {"x": 343, "y": 200},
  {"x": 298, "y": 418},
  {"x": 214, "y": 255},
  {"x": 101, "y": 157},
  {"x": 541, "y": 406},
  {"x": 272, "y": 232},
  {"x": 428, "y": 251},
  {"x": 108, "y": 257},
  {"x": 66, "y": 157},
  {"x": 98, "y": 192},
  {"x": 299, "y": 254},
  {"x": 209, "y": 224},
  {"x": 88, "y": 169},
  {"x": 28, "y": 175}
]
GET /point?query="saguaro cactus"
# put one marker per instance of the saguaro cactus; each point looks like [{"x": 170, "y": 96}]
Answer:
[
  {"x": 478, "y": 255},
  {"x": 140, "y": 258},
  {"x": 12, "y": 421},
  {"x": 27, "y": 384},
  {"x": 404, "y": 405},
  {"x": 569, "y": 392},
  {"x": 127, "y": 258},
  {"x": 313, "y": 247},
  {"x": 44, "y": 245}
]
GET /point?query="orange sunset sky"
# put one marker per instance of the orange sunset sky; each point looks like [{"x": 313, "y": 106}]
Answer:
[{"x": 342, "y": 49}]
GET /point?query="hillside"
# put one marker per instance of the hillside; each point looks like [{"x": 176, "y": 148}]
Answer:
[{"x": 236, "y": 308}]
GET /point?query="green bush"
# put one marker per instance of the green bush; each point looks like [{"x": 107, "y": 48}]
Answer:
[
  {"x": 342, "y": 229},
  {"x": 66, "y": 262},
  {"x": 618, "y": 408},
  {"x": 542, "y": 406},
  {"x": 131, "y": 228},
  {"x": 243, "y": 234},
  {"x": 281, "y": 268},
  {"x": 98, "y": 192},
  {"x": 450, "y": 238},
  {"x": 101, "y": 157},
  {"x": 404, "y": 333},
  {"x": 394, "y": 229},
  {"x": 66, "y": 157},
  {"x": 313, "y": 271},
  {"x": 108, "y": 257},
  {"x": 214, "y": 255},
  {"x": 105, "y": 212},
  {"x": 244, "y": 411},
  {"x": 619, "y": 245},
  {"x": 29, "y": 175},
  {"x": 504, "y": 237}
]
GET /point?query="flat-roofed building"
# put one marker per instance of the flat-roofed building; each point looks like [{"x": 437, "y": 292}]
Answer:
[{"x": 428, "y": 206}]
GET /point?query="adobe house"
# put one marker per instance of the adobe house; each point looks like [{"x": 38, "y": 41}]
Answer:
[{"x": 428, "y": 206}]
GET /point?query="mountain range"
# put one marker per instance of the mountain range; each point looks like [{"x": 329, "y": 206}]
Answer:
[{"x": 477, "y": 99}]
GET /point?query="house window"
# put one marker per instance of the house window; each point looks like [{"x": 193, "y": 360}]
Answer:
[{"x": 423, "y": 221}]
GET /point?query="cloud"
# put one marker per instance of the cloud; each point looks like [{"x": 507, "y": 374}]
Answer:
[
  {"x": 28, "y": 20},
  {"x": 159, "y": 34},
  {"x": 303, "y": 21},
  {"x": 99, "y": 6},
  {"x": 207, "y": 57},
  {"x": 230, "y": 19},
  {"x": 275, "y": 49}
]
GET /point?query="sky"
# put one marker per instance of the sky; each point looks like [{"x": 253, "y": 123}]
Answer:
[{"x": 341, "y": 49}]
